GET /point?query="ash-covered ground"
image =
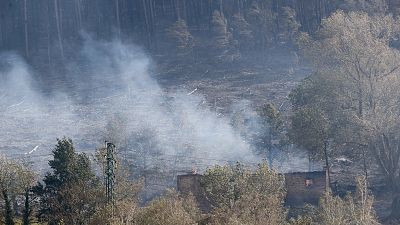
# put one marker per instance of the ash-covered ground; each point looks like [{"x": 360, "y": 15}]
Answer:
[
  {"x": 165, "y": 120},
  {"x": 188, "y": 112}
]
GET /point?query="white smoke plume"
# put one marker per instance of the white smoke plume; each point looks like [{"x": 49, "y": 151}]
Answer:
[{"x": 110, "y": 93}]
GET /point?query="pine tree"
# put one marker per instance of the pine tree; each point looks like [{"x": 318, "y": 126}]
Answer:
[
  {"x": 182, "y": 38},
  {"x": 242, "y": 32},
  {"x": 62, "y": 163},
  {"x": 272, "y": 123},
  {"x": 288, "y": 24},
  {"x": 66, "y": 194},
  {"x": 225, "y": 47},
  {"x": 262, "y": 21}
]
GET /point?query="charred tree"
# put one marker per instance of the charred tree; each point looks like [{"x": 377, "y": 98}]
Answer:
[
  {"x": 58, "y": 25},
  {"x": 26, "y": 29}
]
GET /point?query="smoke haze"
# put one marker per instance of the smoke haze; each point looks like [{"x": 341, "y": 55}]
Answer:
[{"x": 107, "y": 82}]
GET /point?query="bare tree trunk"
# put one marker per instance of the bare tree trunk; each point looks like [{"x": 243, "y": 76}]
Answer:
[
  {"x": 1, "y": 35},
  {"x": 78, "y": 13},
  {"x": 270, "y": 149},
  {"x": 163, "y": 7},
  {"x": 365, "y": 163},
  {"x": 8, "y": 213},
  {"x": 152, "y": 16},
  {"x": 145, "y": 14},
  {"x": 184, "y": 10},
  {"x": 328, "y": 169},
  {"x": 146, "y": 19},
  {"x": 58, "y": 28},
  {"x": 27, "y": 208},
  {"x": 117, "y": 16},
  {"x": 26, "y": 29},
  {"x": 360, "y": 101},
  {"x": 48, "y": 39},
  {"x": 178, "y": 10},
  {"x": 152, "y": 22}
]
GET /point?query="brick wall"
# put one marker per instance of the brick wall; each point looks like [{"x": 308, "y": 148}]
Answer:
[
  {"x": 190, "y": 184},
  {"x": 301, "y": 188},
  {"x": 304, "y": 187}
]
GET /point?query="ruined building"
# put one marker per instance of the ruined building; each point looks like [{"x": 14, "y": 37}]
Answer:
[
  {"x": 301, "y": 187},
  {"x": 304, "y": 187}
]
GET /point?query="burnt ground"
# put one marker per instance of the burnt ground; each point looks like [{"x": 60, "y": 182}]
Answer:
[
  {"x": 260, "y": 82},
  {"x": 343, "y": 178},
  {"x": 257, "y": 81}
]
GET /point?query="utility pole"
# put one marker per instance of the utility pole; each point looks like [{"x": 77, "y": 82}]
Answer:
[{"x": 109, "y": 172}]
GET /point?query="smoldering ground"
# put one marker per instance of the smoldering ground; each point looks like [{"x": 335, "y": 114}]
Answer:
[
  {"x": 109, "y": 93},
  {"x": 107, "y": 82}
]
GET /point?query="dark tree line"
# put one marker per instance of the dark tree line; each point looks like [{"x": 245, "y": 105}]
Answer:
[
  {"x": 25, "y": 22},
  {"x": 71, "y": 193},
  {"x": 50, "y": 31}
]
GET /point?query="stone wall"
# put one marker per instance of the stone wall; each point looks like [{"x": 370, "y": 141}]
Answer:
[
  {"x": 190, "y": 184},
  {"x": 304, "y": 187},
  {"x": 301, "y": 187}
]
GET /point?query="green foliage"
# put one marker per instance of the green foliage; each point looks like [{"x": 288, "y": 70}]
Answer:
[
  {"x": 305, "y": 220},
  {"x": 243, "y": 196},
  {"x": 122, "y": 212},
  {"x": 221, "y": 185},
  {"x": 182, "y": 38},
  {"x": 272, "y": 136},
  {"x": 223, "y": 44},
  {"x": 288, "y": 24},
  {"x": 15, "y": 181},
  {"x": 242, "y": 32},
  {"x": 170, "y": 209},
  {"x": 310, "y": 130},
  {"x": 271, "y": 116},
  {"x": 67, "y": 165},
  {"x": 262, "y": 21},
  {"x": 356, "y": 88},
  {"x": 305, "y": 94},
  {"x": 70, "y": 188},
  {"x": 312, "y": 120},
  {"x": 352, "y": 210}
]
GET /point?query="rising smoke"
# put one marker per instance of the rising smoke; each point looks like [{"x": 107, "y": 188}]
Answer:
[{"x": 110, "y": 94}]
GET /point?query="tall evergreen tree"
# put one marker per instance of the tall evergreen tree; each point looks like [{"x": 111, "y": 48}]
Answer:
[
  {"x": 223, "y": 44},
  {"x": 263, "y": 23},
  {"x": 272, "y": 123},
  {"x": 242, "y": 32},
  {"x": 59, "y": 195},
  {"x": 288, "y": 24},
  {"x": 180, "y": 35}
]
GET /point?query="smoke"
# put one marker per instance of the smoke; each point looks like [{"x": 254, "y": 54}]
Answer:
[
  {"x": 110, "y": 94},
  {"x": 29, "y": 118}
]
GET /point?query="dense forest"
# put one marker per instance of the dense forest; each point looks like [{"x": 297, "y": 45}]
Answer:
[
  {"x": 242, "y": 92},
  {"x": 48, "y": 32}
]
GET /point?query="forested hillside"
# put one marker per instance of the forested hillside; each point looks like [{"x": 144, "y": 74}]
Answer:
[
  {"x": 183, "y": 112},
  {"x": 47, "y": 32}
]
